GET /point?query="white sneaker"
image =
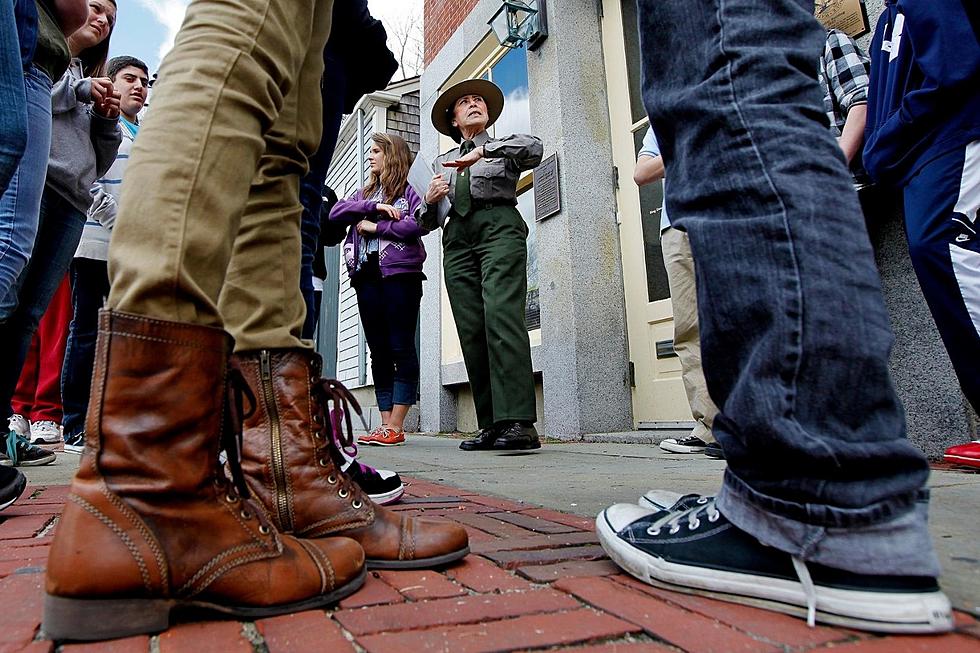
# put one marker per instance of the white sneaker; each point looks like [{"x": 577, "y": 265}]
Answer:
[
  {"x": 45, "y": 432},
  {"x": 19, "y": 425},
  {"x": 690, "y": 444}
]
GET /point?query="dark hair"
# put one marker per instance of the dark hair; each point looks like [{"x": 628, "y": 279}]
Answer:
[
  {"x": 394, "y": 176},
  {"x": 94, "y": 58},
  {"x": 118, "y": 63}
]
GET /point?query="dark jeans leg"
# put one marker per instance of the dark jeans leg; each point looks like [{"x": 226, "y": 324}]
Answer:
[
  {"x": 375, "y": 320},
  {"x": 59, "y": 230},
  {"x": 795, "y": 337},
  {"x": 403, "y": 295},
  {"x": 89, "y": 290}
]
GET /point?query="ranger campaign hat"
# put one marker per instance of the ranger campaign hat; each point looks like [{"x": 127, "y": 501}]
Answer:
[{"x": 442, "y": 110}]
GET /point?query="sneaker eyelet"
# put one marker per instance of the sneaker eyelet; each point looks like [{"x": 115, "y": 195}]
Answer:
[
  {"x": 265, "y": 530},
  {"x": 318, "y": 435},
  {"x": 713, "y": 518},
  {"x": 695, "y": 526},
  {"x": 231, "y": 498},
  {"x": 316, "y": 419},
  {"x": 245, "y": 514},
  {"x": 653, "y": 531},
  {"x": 702, "y": 501},
  {"x": 344, "y": 493},
  {"x": 322, "y": 462},
  {"x": 674, "y": 530},
  {"x": 331, "y": 479},
  {"x": 356, "y": 504}
]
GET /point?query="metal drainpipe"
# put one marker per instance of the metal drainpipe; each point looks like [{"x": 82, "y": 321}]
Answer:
[{"x": 361, "y": 182}]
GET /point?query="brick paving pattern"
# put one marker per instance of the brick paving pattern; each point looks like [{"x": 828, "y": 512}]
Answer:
[{"x": 536, "y": 580}]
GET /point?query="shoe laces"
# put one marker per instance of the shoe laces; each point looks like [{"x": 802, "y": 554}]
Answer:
[
  {"x": 232, "y": 437},
  {"x": 706, "y": 507},
  {"x": 340, "y": 445},
  {"x": 673, "y": 520}
]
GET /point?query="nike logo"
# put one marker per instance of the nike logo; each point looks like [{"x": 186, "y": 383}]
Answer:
[{"x": 962, "y": 238}]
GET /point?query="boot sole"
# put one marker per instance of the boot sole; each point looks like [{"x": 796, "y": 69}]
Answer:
[
  {"x": 421, "y": 563},
  {"x": 92, "y": 619},
  {"x": 37, "y": 462}
]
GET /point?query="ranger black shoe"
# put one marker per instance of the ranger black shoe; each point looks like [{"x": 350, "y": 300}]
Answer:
[
  {"x": 482, "y": 442},
  {"x": 517, "y": 437}
]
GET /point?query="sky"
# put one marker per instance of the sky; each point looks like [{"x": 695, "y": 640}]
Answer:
[{"x": 146, "y": 28}]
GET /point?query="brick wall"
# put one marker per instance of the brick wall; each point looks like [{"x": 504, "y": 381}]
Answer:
[{"x": 442, "y": 17}]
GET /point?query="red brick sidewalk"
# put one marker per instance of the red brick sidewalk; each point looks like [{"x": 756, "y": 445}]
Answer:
[{"x": 537, "y": 579}]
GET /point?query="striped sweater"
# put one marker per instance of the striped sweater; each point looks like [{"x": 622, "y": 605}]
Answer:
[{"x": 105, "y": 197}]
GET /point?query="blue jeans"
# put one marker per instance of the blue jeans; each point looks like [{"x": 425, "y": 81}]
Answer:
[
  {"x": 59, "y": 230},
  {"x": 389, "y": 309},
  {"x": 89, "y": 290},
  {"x": 795, "y": 338},
  {"x": 13, "y": 118},
  {"x": 21, "y": 202},
  {"x": 311, "y": 185}
]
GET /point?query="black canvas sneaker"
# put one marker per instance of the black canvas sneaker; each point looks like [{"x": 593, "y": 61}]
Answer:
[
  {"x": 698, "y": 551},
  {"x": 75, "y": 443},
  {"x": 12, "y": 485},
  {"x": 382, "y": 485},
  {"x": 690, "y": 444},
  {"x": 25, "y": 454}
]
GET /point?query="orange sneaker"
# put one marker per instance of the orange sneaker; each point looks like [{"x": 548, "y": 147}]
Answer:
[
  {"x": 371, "y": 438},
  {"x": 390, "y": 437}
]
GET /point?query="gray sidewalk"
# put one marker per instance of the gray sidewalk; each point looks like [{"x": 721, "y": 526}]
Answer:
[{"x": 584, "y": 478}]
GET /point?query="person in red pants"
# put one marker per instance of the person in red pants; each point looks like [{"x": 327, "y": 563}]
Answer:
[{"x": 37, "y": 401}]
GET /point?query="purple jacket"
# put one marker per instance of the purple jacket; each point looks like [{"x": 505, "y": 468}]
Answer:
[{"x": 400, "y": 248}]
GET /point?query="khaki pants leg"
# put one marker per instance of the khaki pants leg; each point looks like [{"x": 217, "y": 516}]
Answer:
[
  {"x": 687, "y": 341},
  {"x": 261, "y": 301},
  {"x": 219, "y": 143}
]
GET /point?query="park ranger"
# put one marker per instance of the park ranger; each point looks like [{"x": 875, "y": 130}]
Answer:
[{"x": 485, "y": 258}]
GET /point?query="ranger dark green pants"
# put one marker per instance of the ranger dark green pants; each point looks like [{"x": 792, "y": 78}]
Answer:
[{"x": 485, "y": 260}]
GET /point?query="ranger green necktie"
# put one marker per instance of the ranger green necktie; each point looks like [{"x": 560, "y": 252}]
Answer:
[{"x": 462, "y": 198}]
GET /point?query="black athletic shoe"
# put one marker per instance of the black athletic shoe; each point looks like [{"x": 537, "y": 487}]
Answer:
[
  {"x": 690, "y": 444},
  {"x": 714, "y": 450},
  {"x": 25, "y": 454},
  {"x": 697, "y": 550},
  {"x": 517, "y": 437},
  {"x": 75, "y": 443},
  {"x": 12, "y": 485},
  {"x": 382, "y": 485},
  {"x": 482, "y": 442}
]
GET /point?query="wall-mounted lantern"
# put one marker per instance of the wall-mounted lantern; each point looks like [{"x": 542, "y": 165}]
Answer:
[{"x": 517, "y": 23}]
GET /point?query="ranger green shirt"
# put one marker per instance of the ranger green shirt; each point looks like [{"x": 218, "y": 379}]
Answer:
[{"x": 493, "y": 178}]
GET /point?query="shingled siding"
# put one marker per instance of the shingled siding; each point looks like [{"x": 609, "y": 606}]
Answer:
[{"x": 403, "y": 120}]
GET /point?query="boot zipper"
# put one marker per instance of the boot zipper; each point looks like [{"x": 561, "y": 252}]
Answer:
[{"x": 278, "y": 469}]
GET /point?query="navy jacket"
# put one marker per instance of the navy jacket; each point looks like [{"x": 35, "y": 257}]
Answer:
[{"x": 924, "y": 98}]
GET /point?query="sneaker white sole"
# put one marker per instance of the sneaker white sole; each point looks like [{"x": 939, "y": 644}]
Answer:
[
  {"x": 74, "y": 448},
  {"x": 388, "y": 497},
  {"x": 673, "y": 447},
  {"x": 872, "y": 611},
  {"x": 37, "y": 462}
]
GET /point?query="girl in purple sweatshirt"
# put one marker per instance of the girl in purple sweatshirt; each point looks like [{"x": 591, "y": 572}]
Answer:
[{"x": 384, "y": 256}]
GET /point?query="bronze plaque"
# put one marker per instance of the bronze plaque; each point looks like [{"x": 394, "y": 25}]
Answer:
[
  {"x": 848, "y": 16},
  {"x": 547, "y": 196}
]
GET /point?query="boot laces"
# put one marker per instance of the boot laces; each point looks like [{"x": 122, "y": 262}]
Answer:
[
  {"x": 232, "y": 438},
  {"x": 339, "y": 441}
]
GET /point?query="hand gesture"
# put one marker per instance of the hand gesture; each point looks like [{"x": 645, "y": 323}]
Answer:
[
  {"x": 366, "y": 227},
  {"x": 438, "y": 188},
  {"x": 388, "y": 211},
  {"x": 105, "y": 98},
  {"x": 464, "y": 162}
]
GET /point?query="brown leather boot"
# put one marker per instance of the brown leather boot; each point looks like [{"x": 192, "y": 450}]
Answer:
[
  {"x": 152, "y": 524},
  {"x": 292, "y": 462}
]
